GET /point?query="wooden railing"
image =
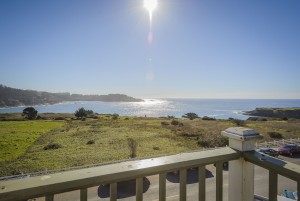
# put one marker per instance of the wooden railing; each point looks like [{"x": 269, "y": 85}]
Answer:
[
  {"x": 276, "y": 167},
  {"x": 240, "y": 173},
  {"x": 49, "y": 185}
]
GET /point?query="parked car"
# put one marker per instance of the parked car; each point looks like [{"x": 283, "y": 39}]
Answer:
[
  {"x": 289, "y": 149},
  {"x": 269, "y": 151}
]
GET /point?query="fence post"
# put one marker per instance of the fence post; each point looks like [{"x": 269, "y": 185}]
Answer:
[{"x": 241, "y": 172}]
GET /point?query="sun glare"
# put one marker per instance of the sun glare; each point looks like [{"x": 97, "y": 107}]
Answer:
[{"x": 150, "y": 5}]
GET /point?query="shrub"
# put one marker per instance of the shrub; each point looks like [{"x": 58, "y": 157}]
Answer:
[
  {"x": 257, "y": 119},
  {"x": 81, "y": 112},
  {"x": 156, "y": 148},
  {"x": 115, "y": 116},
  {"x": 52, "y": 146},
  {"x": 91, "y": 142},
  {"x": 60, "y": 118},
  {"x": 174, "y": 122},
  {"x": 170, "y": 117},
  {"x": 132, "y": 145},
  {"x": 203, "y": 143},
  {"x": 239, "y": 122},
  {"x": 275, "y": 135},
  {"x": 164, "y": 123},
  {"x": 208, "y": 118},
  {"x": 30, "y": 113},
  {"x": 190, "y": 116}
]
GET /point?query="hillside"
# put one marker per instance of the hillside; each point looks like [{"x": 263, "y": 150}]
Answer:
[
  {"x": 275, "y": 112},
  {"x": 11, "y": 97}
]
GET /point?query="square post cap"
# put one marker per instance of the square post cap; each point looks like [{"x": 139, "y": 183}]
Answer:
[{"x": 241, "y": 133}]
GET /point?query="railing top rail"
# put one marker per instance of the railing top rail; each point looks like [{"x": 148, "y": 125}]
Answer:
[
  {"x": 284, "y": 168},
  {"x": 27, "y": 188}
]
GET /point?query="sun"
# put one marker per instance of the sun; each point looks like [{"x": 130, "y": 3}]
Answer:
[{"x": 150, "y": 5}]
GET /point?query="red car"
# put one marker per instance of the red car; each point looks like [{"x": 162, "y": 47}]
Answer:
[{"x": 289, "y": 149}]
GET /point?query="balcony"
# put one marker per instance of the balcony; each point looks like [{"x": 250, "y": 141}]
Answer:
[{"x": 241, "y": 155}]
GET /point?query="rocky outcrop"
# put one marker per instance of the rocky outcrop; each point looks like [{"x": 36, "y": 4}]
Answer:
[{"x": 275, "y": 112}]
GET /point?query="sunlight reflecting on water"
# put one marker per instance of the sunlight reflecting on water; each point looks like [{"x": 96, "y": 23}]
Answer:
[
  {"x": 150, "y": 107},
  {"x": 217, "y": 108}
]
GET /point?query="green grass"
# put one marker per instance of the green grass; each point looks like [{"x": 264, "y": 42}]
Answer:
[
  {"x": 110, "y": 140},
  {"x": 17, "y": 136}
]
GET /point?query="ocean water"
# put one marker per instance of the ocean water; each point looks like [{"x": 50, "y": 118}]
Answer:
[{"x": 217, "y": 108}]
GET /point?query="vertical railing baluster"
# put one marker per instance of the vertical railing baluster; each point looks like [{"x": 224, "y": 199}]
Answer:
[
  {"x": 182, "y": 178},
  {"x": 83, "y": 194},
  {"x": 162, "y": 187},
  {"x": 219, "y": 181},
  {"x": 113, "y": 192},
  {"x": 201, "y": 183},
  {"x": 273, "y": 181},
  {"x": 139, "y": 189},
  {"x": 49, "y": 197}
]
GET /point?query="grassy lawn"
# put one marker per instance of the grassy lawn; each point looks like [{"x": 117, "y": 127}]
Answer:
[
  {"x": 154, "y": 138},
  {"x": 17, "y": 136}
]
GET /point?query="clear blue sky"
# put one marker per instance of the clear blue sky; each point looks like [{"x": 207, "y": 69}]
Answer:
[{"x": 200, "y": 48}]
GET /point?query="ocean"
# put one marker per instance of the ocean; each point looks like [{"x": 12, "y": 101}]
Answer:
[{"x": 217, "y": 108}]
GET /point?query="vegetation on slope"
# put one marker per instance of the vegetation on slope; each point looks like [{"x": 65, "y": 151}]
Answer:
[
  {"x": 11, "y": 97},
  {"x": 105, "y": 139}
]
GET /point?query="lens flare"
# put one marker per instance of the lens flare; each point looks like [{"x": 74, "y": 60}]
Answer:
[{"x": 150, "y": 5}]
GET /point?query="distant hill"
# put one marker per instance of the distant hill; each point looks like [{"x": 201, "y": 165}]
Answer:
[{"x": 10, "y": 97}]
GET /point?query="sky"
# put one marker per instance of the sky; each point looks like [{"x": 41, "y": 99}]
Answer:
[{"x": 199, "y": 48}]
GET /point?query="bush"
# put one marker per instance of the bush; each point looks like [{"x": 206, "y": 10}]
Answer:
[
  {"x": 156, "y": 148},
  {"x": 208, "y": 118},
  {"x": 30, "y": 113},
  {"x": 60, "y": 118},
  {"x": 190, "y": 116},
  {"x": 52, "y": 146},
  {"x": 239, "y": 122},
  {"x": 170, "y": 117},
  {"x": 257, "y": 119},
  {"x": 164, "y": 123},
  {"x": 203, "y": 143},
  {"x": 275, "y": 135},
  {"x": 81, "y": 112},
  {"x": 115, "y": 116},
  {"x": 174, "y": 122},
  {"x": 91, "y": 142}
]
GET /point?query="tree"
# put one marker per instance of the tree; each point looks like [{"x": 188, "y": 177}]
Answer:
[
  {"x": 30, "y": 113},
  {"x": 190, "y": 116},
  {"x": 81, "y": 112}
]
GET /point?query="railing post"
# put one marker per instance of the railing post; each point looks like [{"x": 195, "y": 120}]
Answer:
[{"x": 241, "y": 172}]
